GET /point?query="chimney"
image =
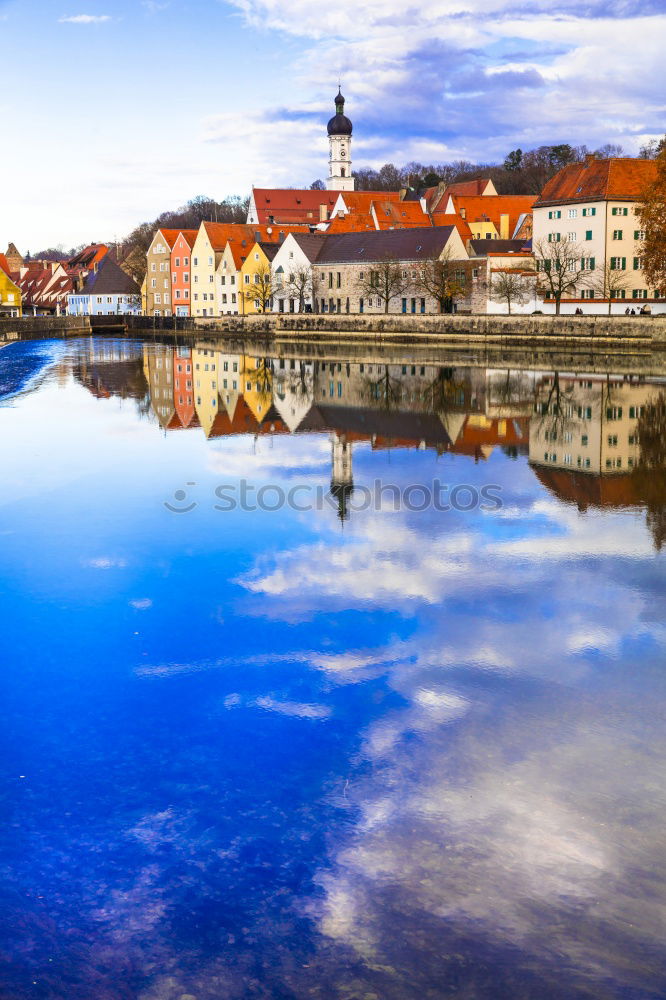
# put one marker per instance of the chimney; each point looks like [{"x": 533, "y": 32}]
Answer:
[
  {"x": 463, "y": 213},
  {"x": 323, "y": 213},
  {"x": 281, "y": 236}
]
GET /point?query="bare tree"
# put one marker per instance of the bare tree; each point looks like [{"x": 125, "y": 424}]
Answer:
[
  {"x": 385, "y": 280},
  {"x": 384, "y": 392},
  {"x": 559, "y": 266},
  {"x": 510, "y": 286},
  {"x": 442, "y": 278},
  {"x": 261, "y": 291},
  {"x": 299, "y": 285},
  {"x": 607, "y": 280}
]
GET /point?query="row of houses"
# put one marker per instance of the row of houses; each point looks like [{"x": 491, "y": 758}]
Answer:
[
  {"x": 89, "y": 283},
  {"x": 321, "y": 251}
]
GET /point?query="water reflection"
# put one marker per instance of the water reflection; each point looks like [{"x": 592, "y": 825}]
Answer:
[{"x": 267, "y": 755}]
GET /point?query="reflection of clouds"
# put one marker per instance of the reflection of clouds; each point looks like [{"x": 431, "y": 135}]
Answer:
[
  {"x": 105, "y": 562},
  {"x": 297, "y": 709},
  {"x": 537, "y": 849},
  {"x": 278, "y": 457}
]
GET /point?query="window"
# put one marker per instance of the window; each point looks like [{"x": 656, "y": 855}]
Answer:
[
  {"x": 612, "y": 440},
  {"x": 638, "y": 263},
  {"x": 639, "y": 234},
  {"x": 618, "y": 293},
  {"x": 210, "y": 261},
  {"x": 617, "y": 234},
  {"x": 618, "y": 263},
  {"x": 639, "y": 293},
  {"x": 583, "y": 440},
  {"x": 153, "y": 282},
  {"x": 588, "y": 263},
  {"x": 186, "y": 261},
  {"x": 589, "y": 211},
  {"x": 555, "y": 214},
  {"x": 614, "y": 413},
  {"x": 153, "y": 267},
  {"x": 553, "y": 237},
  {"x": 247, "y": 279},
  {"x": 572, "y": 237},
  {"x": 177, "y": 261},
  {"x": 338, "y": 280},
  {"x": 619, "y": 211},
  {"x": 588, "y": 234},
  {"x": 572, "y": 213},
  {"x": 587, "y": 293},
  {"x": 158, "y": 299},
  {"x": 186, "y": 277}
]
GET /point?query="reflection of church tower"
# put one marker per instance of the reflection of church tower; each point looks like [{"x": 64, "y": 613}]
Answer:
[
  {"x": 339, "y": 149},
  {"x": 342, "y": 479}
]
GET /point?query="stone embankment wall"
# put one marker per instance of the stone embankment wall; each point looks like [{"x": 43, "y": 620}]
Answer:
[
  {"x": 650, "y": 330},
  {"x": 36, "y": 327}
]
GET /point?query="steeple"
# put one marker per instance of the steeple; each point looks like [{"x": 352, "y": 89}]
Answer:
[{"x": 339, "y": 144}]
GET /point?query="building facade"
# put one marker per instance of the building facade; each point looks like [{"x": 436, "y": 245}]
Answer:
[{"x": 595, "y": 205}]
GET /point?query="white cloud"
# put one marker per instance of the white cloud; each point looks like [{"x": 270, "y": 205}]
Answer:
[{"x": 85, "y": 19}]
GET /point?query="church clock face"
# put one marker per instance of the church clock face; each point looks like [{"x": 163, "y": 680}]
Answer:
[{"x": 342, "y": 152}]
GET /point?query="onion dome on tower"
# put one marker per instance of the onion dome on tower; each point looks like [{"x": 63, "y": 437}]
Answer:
[{"x": 339, "y": 123}]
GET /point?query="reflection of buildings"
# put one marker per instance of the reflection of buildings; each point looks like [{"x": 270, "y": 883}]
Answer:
[
  {"x": 587, "y": 424},
  {"x": 602, "y": 443},
  {"x": 111, "y": 368},
  {"x": 580, "y": 431}
]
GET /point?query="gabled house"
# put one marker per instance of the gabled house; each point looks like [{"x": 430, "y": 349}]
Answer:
[
  {"x": 44, "y": 288},
  {"x": 292, "y": 272},
  {"x": 256, "y": 279},
  {"x": 158, "y": 273},
  {"x": 106, "y": 291},
  {"x": 181, "y": 272},
  {"x": 10, "y": 293}
]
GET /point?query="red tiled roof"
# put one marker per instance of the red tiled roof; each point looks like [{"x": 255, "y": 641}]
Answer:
[
  {"x": 620, "y": 179},
  {"x": 353, "y": 222},
  {"x": 491, "y": 207},
  {"x": 170, "y": 235},
  {"x": 361, "y": 201},
  {"x": 473, "y": 189},
  {"x": 285, "y": 205},
  {"x": 442, "y": 219},
  {"x": 4, "y": 266},
  {"x": 189, "y": 235},
  {"x": 400, "y": 214}
]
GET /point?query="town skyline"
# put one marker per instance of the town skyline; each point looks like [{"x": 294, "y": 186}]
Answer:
[{"x": 449, "y": 83}]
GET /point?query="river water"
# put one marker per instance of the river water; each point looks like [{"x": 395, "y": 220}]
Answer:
[{"x": 330, "y": 677}]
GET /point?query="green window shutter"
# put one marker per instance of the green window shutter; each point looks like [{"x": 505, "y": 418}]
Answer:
[
  {"x": 588, "y": 234},
  {"x": 592, "y": 263},
  {"x": 612, "y": 263},
  {"x": 636, "y": 232},
  {"x": 624, "y": 263},
  {"x": 593, "y": 211}
]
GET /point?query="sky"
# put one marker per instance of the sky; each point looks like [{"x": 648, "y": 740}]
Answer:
[{"x": 113, "y": 111}]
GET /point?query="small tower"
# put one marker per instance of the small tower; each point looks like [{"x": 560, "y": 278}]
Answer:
[
  {"x": 339, "y": 149},
  {"x": 14, "y": 258}
]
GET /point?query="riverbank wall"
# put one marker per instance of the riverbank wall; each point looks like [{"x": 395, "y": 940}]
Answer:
[
  {"x": 543, "y": 330},
  {"x": 43, "y": 327}
]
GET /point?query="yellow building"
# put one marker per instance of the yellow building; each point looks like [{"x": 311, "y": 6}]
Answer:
[
  {"x": 257, "y": 385},
  {"x": 10, "y": 294},
  {"x": 256, "y": 282}
]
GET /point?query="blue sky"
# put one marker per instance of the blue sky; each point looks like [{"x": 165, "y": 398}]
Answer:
[{"x": 123, "y": 109}]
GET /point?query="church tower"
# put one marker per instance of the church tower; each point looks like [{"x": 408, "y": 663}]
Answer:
[{"x": 339, "y": 149}]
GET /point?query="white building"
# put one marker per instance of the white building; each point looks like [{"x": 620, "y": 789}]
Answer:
[
  {"x": 595, "y": 204},
  {"x": 292, "y": 272}
]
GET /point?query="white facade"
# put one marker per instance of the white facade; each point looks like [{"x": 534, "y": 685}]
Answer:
[
  {"x": 103, "y": 305},
  {"x": 606, "y": 232},
  {"x": 289, "y": 261},
  {"x": 203, "y": 271}
]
